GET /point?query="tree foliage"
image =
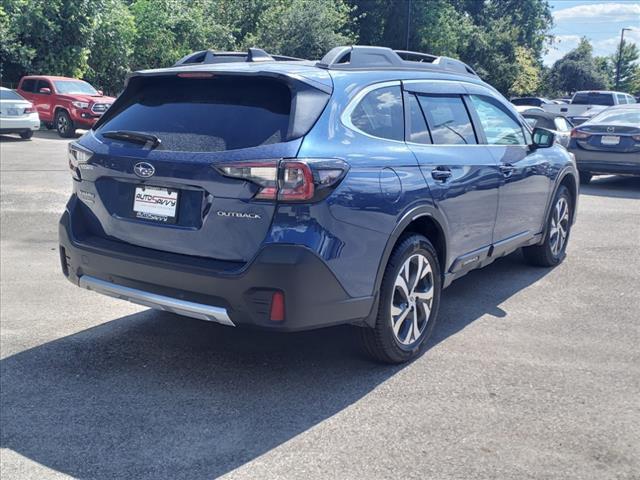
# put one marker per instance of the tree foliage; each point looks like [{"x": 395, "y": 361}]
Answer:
[{"x": 102, "y": 40}]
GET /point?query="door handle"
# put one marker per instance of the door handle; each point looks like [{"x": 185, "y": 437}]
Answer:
[
  {"x": 507, "y": 169},
  {"x": 441, "y": 173}
]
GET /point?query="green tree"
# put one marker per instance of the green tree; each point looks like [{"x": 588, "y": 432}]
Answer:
[
  {"x": 303, "y": 28},
  {"x": 166, "y": 30},
  {"x": 110, "y": 58},
  {"x": 55, "y": 35},
  {"x": 628, "y": 66},
  {"x": 529, "y": 75},
  {"x": 15, "y": 57},
  {"x": 577, "y": 70}
]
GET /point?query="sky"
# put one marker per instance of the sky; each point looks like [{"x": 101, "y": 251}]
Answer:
[{"x": 599, "y": 20}]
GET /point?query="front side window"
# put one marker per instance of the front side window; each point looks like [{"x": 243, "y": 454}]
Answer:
[
  {"x": 43, "y": 84},
  {"x": 380, "y": 114},
  {"x": 448, "y": 119},
  {"x": 499, "y": 127}
]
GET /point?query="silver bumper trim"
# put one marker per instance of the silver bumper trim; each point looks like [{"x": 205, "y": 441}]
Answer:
[{"x": 160, "y": 302}]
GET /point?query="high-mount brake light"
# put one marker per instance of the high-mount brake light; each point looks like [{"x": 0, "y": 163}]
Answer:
[
  {"x": 579, "y": 134},
  {"x": 288, "y": 180},
  {"x": 195, "y": 75}
]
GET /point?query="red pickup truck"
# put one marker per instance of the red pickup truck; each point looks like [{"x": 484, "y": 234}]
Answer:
[{"x": 64, "y": 103}]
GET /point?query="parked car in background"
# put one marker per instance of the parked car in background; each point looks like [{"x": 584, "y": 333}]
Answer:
[
  {"x": 586, "y": 104},
  {"x": 17, "y": 115},
  {"x": 559, "y": 125},
  {"x": 609, "y": 143},
  {"x": 531, "y": 101},
  {"x": 346, "y": 191},
  {"x": 64, "y": 103}
]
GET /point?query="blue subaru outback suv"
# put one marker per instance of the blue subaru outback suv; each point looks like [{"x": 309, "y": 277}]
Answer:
[{"x": 256, "y": 190}]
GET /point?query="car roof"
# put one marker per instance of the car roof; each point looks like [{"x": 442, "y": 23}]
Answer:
[
  {"x": 364, "y": 64},
  {"x": 49, "y": 77},
  {"x": 622, "y": 106},
  {"x": 541, "y": 114},
  {"x": 602, "y": 91}
]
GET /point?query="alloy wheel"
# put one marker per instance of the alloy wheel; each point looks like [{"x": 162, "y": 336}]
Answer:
[
  {"x": 412, "y": 299},
  {"x": 63, "y": 124},
  {"x": 559, "y": 226}
]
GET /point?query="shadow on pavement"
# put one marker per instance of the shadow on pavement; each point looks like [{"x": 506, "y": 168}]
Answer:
[
  {"x": 42, "y": 134},
  {"x": 154, "y": 395},
  {"x": 613, "y": 186}
]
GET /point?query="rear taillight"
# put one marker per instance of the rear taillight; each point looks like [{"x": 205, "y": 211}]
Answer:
[
  {"x": 30, "y": 109},
  {"x": 579, "y": 134},
  {"x": 77, "y": 156},
  {"x": 288, "y": 180}
]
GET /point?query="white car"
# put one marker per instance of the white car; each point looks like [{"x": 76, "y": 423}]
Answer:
[{"x": 17, "y": 115}]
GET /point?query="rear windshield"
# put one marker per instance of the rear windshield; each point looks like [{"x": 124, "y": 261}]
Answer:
[
  {"x": 629, "y": 118},
  {"x": 592, "y": 98},
  {"x": 9, "y": 95},
  {"x": 211, "y": 115},
  {"x": 536, "y": 102}
]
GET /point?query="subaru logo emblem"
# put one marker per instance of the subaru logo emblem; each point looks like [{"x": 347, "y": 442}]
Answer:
[{"x": 144, "y": 169}]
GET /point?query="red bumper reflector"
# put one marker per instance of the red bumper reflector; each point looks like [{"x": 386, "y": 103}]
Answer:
[{"x": 277, "y": 307}]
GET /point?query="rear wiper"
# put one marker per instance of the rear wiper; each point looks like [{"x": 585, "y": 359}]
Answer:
[{"x": 137, "y": 137}]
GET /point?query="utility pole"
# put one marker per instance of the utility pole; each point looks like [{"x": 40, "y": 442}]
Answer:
[
  {"x": 620, "y": 56},
  {"x": 408, "y": 23}
]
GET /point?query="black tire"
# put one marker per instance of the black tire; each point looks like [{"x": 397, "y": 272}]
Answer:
[
  {"x": 64, "y": 125},
  {"x": 380, "y": 342},
  {"x": 548, "y": 254},
  {"x": 26, "y": 135},
  {"x": 49, "y": 126},
  {"x": 585, "y": 177}
]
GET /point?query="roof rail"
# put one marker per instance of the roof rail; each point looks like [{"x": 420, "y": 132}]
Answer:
[
  {"x": 359, "y": 57},
  {"x": 211, "y": 56}
]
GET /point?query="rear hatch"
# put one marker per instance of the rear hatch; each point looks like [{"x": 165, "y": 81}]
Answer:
[{"x": 156, "y": 160}]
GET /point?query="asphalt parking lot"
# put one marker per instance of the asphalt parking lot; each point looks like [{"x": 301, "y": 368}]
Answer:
[{"x": 532, "y": 373}]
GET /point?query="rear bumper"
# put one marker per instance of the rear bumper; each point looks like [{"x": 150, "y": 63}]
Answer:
[
  {"x": 607, "y": 162},
  {"x": 313, "y": 296},
  {"x": 19, "y": 124}
]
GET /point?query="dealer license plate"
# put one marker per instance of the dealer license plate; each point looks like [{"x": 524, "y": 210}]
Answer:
[
  {"x": 156, "y": 204},
  {"x": 610, "y": 140}
]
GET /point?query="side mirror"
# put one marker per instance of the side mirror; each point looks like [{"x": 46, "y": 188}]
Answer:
[
  {"x": 45, "y": 91},
  {"x": 543, "y": 138},
  {"x": 100, "y": 92}
]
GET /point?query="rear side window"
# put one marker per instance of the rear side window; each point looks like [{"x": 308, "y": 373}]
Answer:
[
  {"x": 28, "y": 85},
  {"x": 448, "y": 120},
  {"x": 206, "y": 114},
  {"x": 380, "y": 114},
  {"x": 9, "y": 95},
  {"x": 592, "y": 98},
  {"x": 499, "y": 127}
]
